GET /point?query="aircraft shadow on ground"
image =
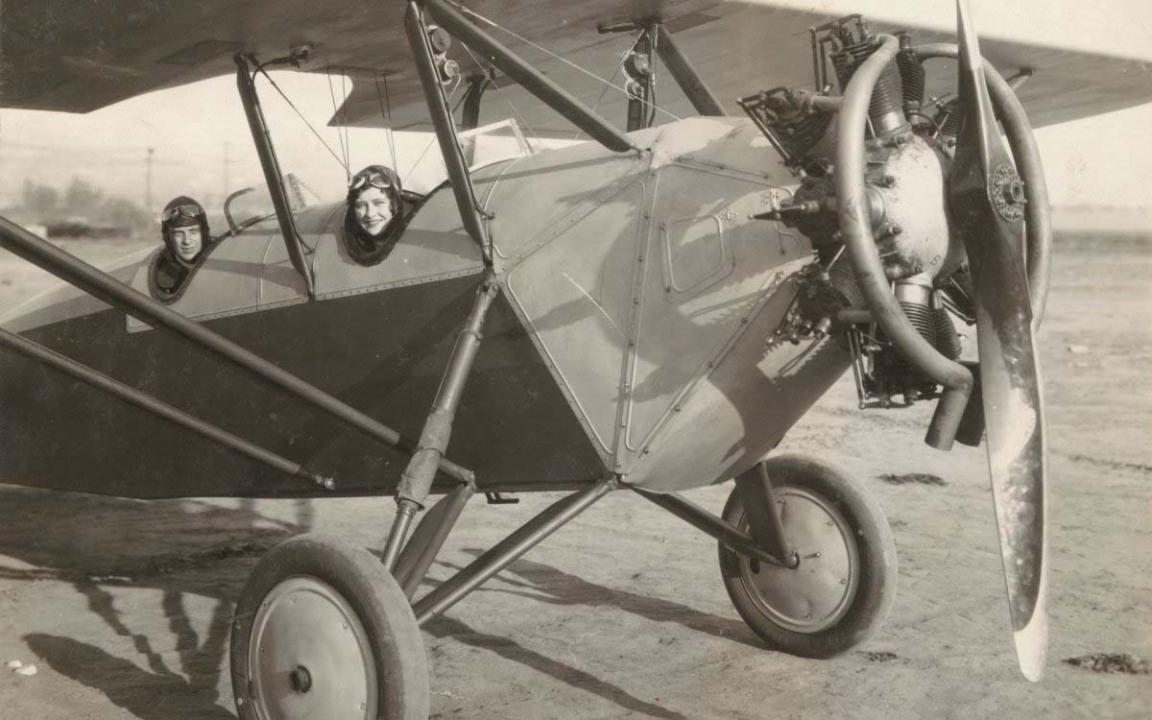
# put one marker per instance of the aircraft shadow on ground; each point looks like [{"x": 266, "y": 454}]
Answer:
[
  {"x": 156, "y": 695},
  {"x": 545, "y": 583},
  {"x": 56, "y": 534},
  {"x": 67, "y": 537},
  {"x": 445, "y": 627}
]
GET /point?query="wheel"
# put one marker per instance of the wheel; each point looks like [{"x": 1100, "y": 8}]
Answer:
[
  {"x": 323, "y": 630},
  {"x": 846, "y": 580}
]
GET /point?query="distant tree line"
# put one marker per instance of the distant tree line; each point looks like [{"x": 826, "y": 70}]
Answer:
[{"x": 81, "y": 204}]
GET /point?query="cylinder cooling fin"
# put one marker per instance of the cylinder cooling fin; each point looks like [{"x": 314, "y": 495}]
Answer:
[
  {"x": 912, "y": 78},
  {"x": 854, "y": 42}
]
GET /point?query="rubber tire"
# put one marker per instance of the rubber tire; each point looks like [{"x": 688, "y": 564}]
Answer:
[
  {"x": 876, "y": 589},
  {"x": 373, "y": 594}
]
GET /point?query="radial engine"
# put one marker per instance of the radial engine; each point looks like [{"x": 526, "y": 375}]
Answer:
[{"x": 908, "y": 154}]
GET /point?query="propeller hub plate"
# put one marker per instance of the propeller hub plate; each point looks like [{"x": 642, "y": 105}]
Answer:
[{"x": 1007, "y": 191}]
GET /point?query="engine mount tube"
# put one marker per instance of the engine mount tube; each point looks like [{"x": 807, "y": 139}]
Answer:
[
  {"x": 856, "y": 229},
  {"x": 1037, "y": 217}
]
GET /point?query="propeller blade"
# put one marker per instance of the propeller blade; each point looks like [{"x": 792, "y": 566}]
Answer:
[{"x": 986, "y": 197}]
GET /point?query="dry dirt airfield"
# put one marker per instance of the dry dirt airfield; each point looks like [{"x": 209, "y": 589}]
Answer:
[{"x": 124, "y": 606}]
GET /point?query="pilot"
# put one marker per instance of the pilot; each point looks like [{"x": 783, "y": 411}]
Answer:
[
  {"x": 376, "y": 207},
  {"x": 184, "y": 228}
]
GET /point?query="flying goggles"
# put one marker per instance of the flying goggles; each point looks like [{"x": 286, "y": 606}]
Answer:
[
  {"x": 188, "y": 211},
  {"x": 376, "y": 180}
]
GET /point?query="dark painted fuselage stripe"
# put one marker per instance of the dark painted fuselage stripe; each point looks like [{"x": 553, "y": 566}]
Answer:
[{"x": 381, "y": 352}]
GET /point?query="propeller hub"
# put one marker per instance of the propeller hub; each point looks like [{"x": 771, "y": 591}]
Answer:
[{"x": 1007, "y": 191}]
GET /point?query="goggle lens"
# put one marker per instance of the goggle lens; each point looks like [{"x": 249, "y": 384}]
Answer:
[
  {"x": 189, "y": 211},
  {"x": 376, "y": 180}
]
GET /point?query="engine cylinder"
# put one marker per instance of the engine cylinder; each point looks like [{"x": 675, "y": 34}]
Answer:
[
  {"x": 912, "y": 76},
  {"x": 947, "y": 341},
  {"x": 885, "y": 108}
]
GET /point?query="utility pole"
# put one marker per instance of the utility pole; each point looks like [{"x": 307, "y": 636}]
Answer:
[{"x": 148, "y": 182}]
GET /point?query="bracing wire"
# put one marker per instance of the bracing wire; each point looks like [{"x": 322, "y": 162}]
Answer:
[
  {"x": 412, "y": 169},
  {"x": 652, "y": 100},
  {"x": 344, "y": 123},
  {"x": 386, "y": 115},
  {"x": 339, "y": 135},
  {"x": 416, "y": 164},
  {"x": 341, "y": 114},
  {"x": 391, "y": 132},
  {"x": 458, "y": 80},
  {"x": 299, "y": 114},
  {"x": 600, "y": 98},
  {"x": 459, "y": 102},
  {"x": 477, "y": 16},
  {"x": 508, "y": 101}
]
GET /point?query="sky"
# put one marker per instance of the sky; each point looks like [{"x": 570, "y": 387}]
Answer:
[{"x": 201, "y": 146}]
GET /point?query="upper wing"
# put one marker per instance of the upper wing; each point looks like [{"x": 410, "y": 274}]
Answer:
[{"x": 80, "y": 55}]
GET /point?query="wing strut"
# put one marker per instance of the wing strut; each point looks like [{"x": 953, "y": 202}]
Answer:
[
  {"x": 681, "y": 70},
  {"x": 271, "y": 166},
  {"x": 461, "y": 181}
]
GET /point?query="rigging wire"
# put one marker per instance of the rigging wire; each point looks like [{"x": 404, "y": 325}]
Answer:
[
  {"x": 447, "y": 99},
  {"x": 600, "y": 98},
  {"x": 404, "y": 180},
  {"x": 292, "y": 105},
  {"x": 477, "y": 16},
  {"x": 508, "y": 101},
  {"x": 339, "y": 135},
  {"x": 652, "y": 100},
  {"x": 386, "y": 114},
  {"x": 344, "y": 123},
  {"x": 452, "y": 92}
]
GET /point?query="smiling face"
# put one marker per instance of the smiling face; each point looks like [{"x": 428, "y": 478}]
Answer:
[
  {"x": 187, "y": 241},
  {"x": 373, "y": 210}
]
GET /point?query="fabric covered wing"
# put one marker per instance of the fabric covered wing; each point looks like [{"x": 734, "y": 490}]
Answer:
[{"x": 80, "y": 55}]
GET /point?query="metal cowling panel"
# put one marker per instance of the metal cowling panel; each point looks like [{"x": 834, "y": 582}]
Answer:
[
  {"x": 711, "y": 266},
  {"x": 575, "y": 297},
  {"x": 736, "y": 414},
  {"x": 636, "y": 279}
]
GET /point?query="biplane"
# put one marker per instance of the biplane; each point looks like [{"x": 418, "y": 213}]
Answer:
[{"x": 650, "y": 310}]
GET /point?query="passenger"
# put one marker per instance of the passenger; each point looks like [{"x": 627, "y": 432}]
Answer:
[
  {"x": 184, "y": 228},
  {"x": 376, "y": 207}
]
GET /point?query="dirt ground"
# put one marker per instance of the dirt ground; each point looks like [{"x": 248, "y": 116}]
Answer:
[{"x": 124, "y": 606}]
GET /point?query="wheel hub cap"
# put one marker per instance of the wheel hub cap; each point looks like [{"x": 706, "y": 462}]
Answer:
[
  {"x": 819, "y": 591},
  {"x": 309, "y": 655}
]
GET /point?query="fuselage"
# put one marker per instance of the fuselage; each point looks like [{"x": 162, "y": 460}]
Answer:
[{"x": 631, "y": 336}]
